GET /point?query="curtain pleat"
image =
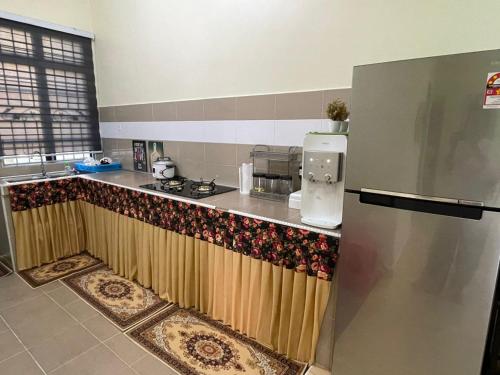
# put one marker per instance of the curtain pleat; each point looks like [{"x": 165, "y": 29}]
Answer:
[
  {"x": 48, "y": 233},
  {"x": 279, "y": 307}
]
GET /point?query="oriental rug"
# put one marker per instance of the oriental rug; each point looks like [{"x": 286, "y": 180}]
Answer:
[
  {"x": 193, "y": 344},
  {"x": 46, "y": 273},
  {"x": 122, "y": 301}
]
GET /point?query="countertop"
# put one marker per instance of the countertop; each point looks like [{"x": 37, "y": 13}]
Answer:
[{"x": 233, "y": 201}]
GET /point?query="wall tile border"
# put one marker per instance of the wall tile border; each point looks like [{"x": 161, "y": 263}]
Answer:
[
  {"x": 286, "y": 106},
  {"x": 268, "y": 132}
]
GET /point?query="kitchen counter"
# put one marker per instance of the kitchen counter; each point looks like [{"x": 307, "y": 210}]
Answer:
[{"x": 234, "y": 202}]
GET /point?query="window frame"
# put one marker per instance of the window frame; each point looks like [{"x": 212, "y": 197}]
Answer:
[{"x": 43, "y": 89}]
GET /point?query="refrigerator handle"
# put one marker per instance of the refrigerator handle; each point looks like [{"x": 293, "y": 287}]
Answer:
[{"x": 466, "y": 209}]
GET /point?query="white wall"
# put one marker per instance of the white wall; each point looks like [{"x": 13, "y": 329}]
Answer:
[
  {"x": 72, "y": 13},
  {"x": 160, "y": 50}
]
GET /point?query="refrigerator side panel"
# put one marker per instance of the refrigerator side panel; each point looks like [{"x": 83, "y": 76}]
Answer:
[
  {"x": 415, "y": 291},
  {"x": 418, "y": 126}
]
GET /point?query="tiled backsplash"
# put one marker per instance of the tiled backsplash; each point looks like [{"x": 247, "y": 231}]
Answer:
[
  {"x": 190, "y": 128},
  {"x": 195, "y": 159},
  {"x": 289, "y": 106}
]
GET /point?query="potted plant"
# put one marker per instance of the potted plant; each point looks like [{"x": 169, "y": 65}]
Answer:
[{"x": 338, "y": 113}]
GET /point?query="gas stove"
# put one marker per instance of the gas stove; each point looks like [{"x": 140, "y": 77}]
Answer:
[{"x": 188, "y": 188}]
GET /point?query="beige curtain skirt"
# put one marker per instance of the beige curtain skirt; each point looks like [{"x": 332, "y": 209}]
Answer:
[{"x": 279, "y": 307}]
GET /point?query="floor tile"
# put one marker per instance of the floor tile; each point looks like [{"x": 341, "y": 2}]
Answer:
[
  {"x": 25, "y": 311},
  {"x": 21, "y": 364},
  {"x": 50, "y": 286},
  {"x": 9, "y": 345},
  {"x": 63, "y": 296},
  {"x": 46, "y": 324},
  {"x": 80, "y": 310},
  {"x": 3, "y": 327},
  {"x": 56, "y": 350},
  {"x": 313, "y": 370},
  {"x": 100, "y": 327},
  {"x": 151, "y": 365},
  {"x": 98, "y": 361},
  {"x": 13, "y": 291},
  {"x": 128, "y": 351}
]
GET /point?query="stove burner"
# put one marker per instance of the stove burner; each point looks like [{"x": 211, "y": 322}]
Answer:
[
  {"x": 174, "y": 183},
  {"x": 186, "y": 188},
  {"x": 203, "y": 187}
]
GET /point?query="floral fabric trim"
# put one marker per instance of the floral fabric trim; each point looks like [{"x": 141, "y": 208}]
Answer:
[
  {"x": 38, "y": 194},
  {"x": 282, "y": 245}
]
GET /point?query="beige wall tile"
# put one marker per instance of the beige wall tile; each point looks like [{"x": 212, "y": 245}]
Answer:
[
  {"x": 194, "y": 151},
  {"x": 190, "y": 110},
  {"x": 108, "y": 145},
  {"x": 172, "y": 149},
  {"x": 219, "y": 109},
  {"x": 122, "y": 151},
  {"x": 223, "y": 174},
  {"x": 126, "y": 158},
  {"x": 302, "y": 105},
  {"x": 299, "y": 105},
  {"x": 191, "y": 169},
  {"x": 258, "y": 107},
  {"x": 124, "y": 144},
  {"x": 136, "y": 112},
  {"x": 220, "y": 153},
  {"x": 243, "y": 154},
  {"x": 164, "y": 111},
  {"x": 106, "y": 114},
  {"x": 330, "y": 95}
]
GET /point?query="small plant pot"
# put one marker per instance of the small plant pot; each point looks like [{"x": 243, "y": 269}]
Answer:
[{"x": 338, "y": 126}]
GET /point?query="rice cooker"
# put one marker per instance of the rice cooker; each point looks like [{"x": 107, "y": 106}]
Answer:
[{"x": 163, "y": 168}]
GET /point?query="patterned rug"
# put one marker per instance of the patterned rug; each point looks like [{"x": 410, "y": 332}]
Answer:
[
  {"x": 4, "y": 270},
  {"x": 124, "y": 302},
  {"x": 193, "y": 344},
  {"x": 46, "y": 273}
]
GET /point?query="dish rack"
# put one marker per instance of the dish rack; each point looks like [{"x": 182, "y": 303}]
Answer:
[{"x": 264, "y": 152}]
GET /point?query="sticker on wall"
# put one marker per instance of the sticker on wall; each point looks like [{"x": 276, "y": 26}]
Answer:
[
  {"x": 140, "y": 159},
  {"x": 155, "y": 152},
  {"x": 492, "y": 91}
]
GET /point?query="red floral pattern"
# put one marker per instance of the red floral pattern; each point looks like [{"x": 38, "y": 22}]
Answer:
[
  {"x": 282, "y": 245},
  {"x": 38, "y": 194}
]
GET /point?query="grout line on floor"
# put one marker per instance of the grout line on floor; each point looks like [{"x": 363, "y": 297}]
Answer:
[
  {"x": 27, "y": 283},
  {"x": 90, "y": 305},
  {"x": 75, "y": 357},
  {"x": 140, "y": 359},
  {"x": 26, "y": 300},
  {"x": 120, "y": 330},
  {"x": 100, "y": 342},
  {"x": 61, "y": 306},
  {"x": 11, "y": 356},
  {"x": 24, "y": 346}
]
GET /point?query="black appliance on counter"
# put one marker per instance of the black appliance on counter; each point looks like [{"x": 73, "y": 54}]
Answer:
[{"x": 188, "y": 188}]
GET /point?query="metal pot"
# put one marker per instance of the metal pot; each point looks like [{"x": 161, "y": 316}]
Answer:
[{"x": 163, "y": 168}]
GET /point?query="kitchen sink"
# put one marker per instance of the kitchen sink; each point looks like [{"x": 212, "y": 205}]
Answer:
[{"x": 35, "y": 176}]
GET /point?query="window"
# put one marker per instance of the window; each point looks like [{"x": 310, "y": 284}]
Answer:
[{"x": 47, "y": 93}]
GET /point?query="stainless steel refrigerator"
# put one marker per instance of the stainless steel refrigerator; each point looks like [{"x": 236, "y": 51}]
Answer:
[{"x": 420, "y": 246}]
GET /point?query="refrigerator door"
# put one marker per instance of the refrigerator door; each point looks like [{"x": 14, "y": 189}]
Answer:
[
  {"x": 418, "y": 126},
  {"x": 415, "y": 291}
]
